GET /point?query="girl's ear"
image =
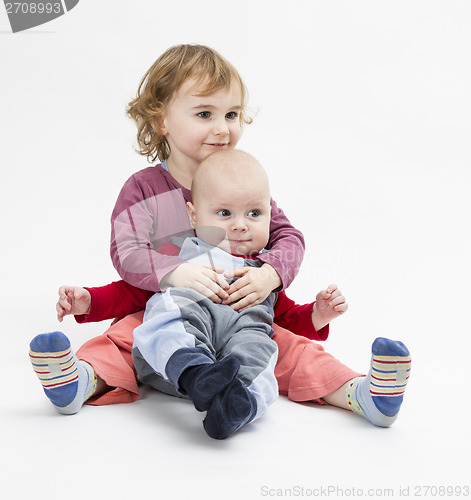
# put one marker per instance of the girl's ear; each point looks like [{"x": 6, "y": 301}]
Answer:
[
  {"x": 158, "y": 124},
  {"x": 191, "y": 214}
]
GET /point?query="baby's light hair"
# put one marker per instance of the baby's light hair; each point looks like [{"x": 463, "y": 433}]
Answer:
[
  {"x": 164, "y": 78},
  {"x": 228, "y": 164}
]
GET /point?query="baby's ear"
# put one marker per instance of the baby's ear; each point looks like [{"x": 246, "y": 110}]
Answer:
[{"x": 191, "y": 214}]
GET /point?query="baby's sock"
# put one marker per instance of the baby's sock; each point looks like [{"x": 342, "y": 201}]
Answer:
[
  {"x": 203, "y": 382},
  {"x": 67, "y": 382},
  {"x": 379, "y": 395},
  {"x": 230, "y": 410}
]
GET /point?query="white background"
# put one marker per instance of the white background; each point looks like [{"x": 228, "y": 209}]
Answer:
[{"x": 363, "y": 123}]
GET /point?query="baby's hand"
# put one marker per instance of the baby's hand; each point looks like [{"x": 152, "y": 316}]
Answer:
[
  {"x": 330, "y": 304},
  {"x": 73, "y": 300},
  {"x": 199, "y": 277}
]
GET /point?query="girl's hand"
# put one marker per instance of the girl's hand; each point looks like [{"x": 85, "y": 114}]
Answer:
[
  {"x": 199, "y": 277},
  {"x": 73, "y": 300},
  {"x": 330, "y": 304},
  {"x": 253, "y": 286}
]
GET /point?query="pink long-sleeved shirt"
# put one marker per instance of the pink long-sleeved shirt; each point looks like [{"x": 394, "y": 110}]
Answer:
[{"x": 151, "y": 208}]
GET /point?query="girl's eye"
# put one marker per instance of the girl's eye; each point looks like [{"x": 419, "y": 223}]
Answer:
[
  {"x": 204, "y": 114},
  {"x": 254, "y": 213},
  {"x": 224, "y": 212},
  {"x": 232, "y": 115}
]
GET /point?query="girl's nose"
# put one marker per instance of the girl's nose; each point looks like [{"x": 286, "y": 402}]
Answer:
[{"x": 221, "y": 128}]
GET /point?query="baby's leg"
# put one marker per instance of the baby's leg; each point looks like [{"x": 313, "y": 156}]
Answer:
[
  {"x": 244, "y": 337},
  {"x": 199, "y": 376},
  {"x": 67, "y": 382},
  {"x": 175, "y": 343}
]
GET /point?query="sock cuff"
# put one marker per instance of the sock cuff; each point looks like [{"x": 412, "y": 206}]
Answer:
[
  {"x": 92, "y": 379},
  {"x": 352, "y": 399}
]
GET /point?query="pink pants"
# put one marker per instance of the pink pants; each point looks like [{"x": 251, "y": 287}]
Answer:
[{"x": 304, "y": 371}]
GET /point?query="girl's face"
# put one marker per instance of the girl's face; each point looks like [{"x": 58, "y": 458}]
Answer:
[{"x": 196, "y": 126}]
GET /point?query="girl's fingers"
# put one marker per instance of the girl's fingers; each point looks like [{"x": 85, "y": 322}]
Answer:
[
  {"x": 236, "y": 272},
  {"x": 335, "y": 295},
  {"x": 60, "y": 312},
  {"x": 219, "y": 279},
  {"x": 323, "y": 295},
  {"x": 64, "y": 304},
  {"x": 331, "y": 288},
  {"x": 238, "y": 295},
  {"x": 341, "y": 308},
  {"x": 248, "y": 301},
  {"x": 337, "y": 301},
  {"x": 211, "y": 289}
]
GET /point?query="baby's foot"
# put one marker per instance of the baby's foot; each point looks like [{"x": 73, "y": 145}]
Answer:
[
  {"x": 203, "y": 382},
  {"x": 230, "y": 410}
]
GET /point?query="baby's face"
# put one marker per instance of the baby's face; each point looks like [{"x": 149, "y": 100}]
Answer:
[{"x": 240, "y": 208}]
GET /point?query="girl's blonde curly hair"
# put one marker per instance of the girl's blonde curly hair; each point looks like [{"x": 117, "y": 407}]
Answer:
[{"x": 163, "y": 79}]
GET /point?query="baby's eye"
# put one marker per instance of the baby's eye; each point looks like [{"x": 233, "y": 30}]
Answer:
[
  {"x": 232, "y": 115},
  {"x": 204, "y": 114},
  {"x": 254, "y": 213},
  {"x": 224, "y": 212}
]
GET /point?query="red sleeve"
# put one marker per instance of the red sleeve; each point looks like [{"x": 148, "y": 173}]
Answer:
[
  {"x": 116, "y": 300},
  {"x": 297, "y": 318}
]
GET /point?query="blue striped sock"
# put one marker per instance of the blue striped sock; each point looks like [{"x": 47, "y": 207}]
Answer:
[
  {"x": 378, "y": 396},
  {"x": 67, "y": 382}
]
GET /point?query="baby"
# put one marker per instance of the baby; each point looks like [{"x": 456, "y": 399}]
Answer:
[{"x": 223, "y": 360}]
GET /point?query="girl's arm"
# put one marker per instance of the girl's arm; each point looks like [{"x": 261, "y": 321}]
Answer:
[
  {"x": 297, "y": 318},
  {"x": 116, "y": 300},
  {"x": 148, "y": 212},
  {"x": 286, "y": 246}
]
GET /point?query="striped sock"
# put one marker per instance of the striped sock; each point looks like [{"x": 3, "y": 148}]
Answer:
[
  {"x": 67, "y": 382},
  {"x": 379, "y": 395}
]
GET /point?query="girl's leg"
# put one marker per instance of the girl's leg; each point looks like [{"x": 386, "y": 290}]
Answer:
[
  {"x": 67, "y": 382},
  {"x": 101, "y": 373},
  {"x": 110, "y": 355},
  {"x": 306, "y": 372},
  {"x": 378, "y": 396}
]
